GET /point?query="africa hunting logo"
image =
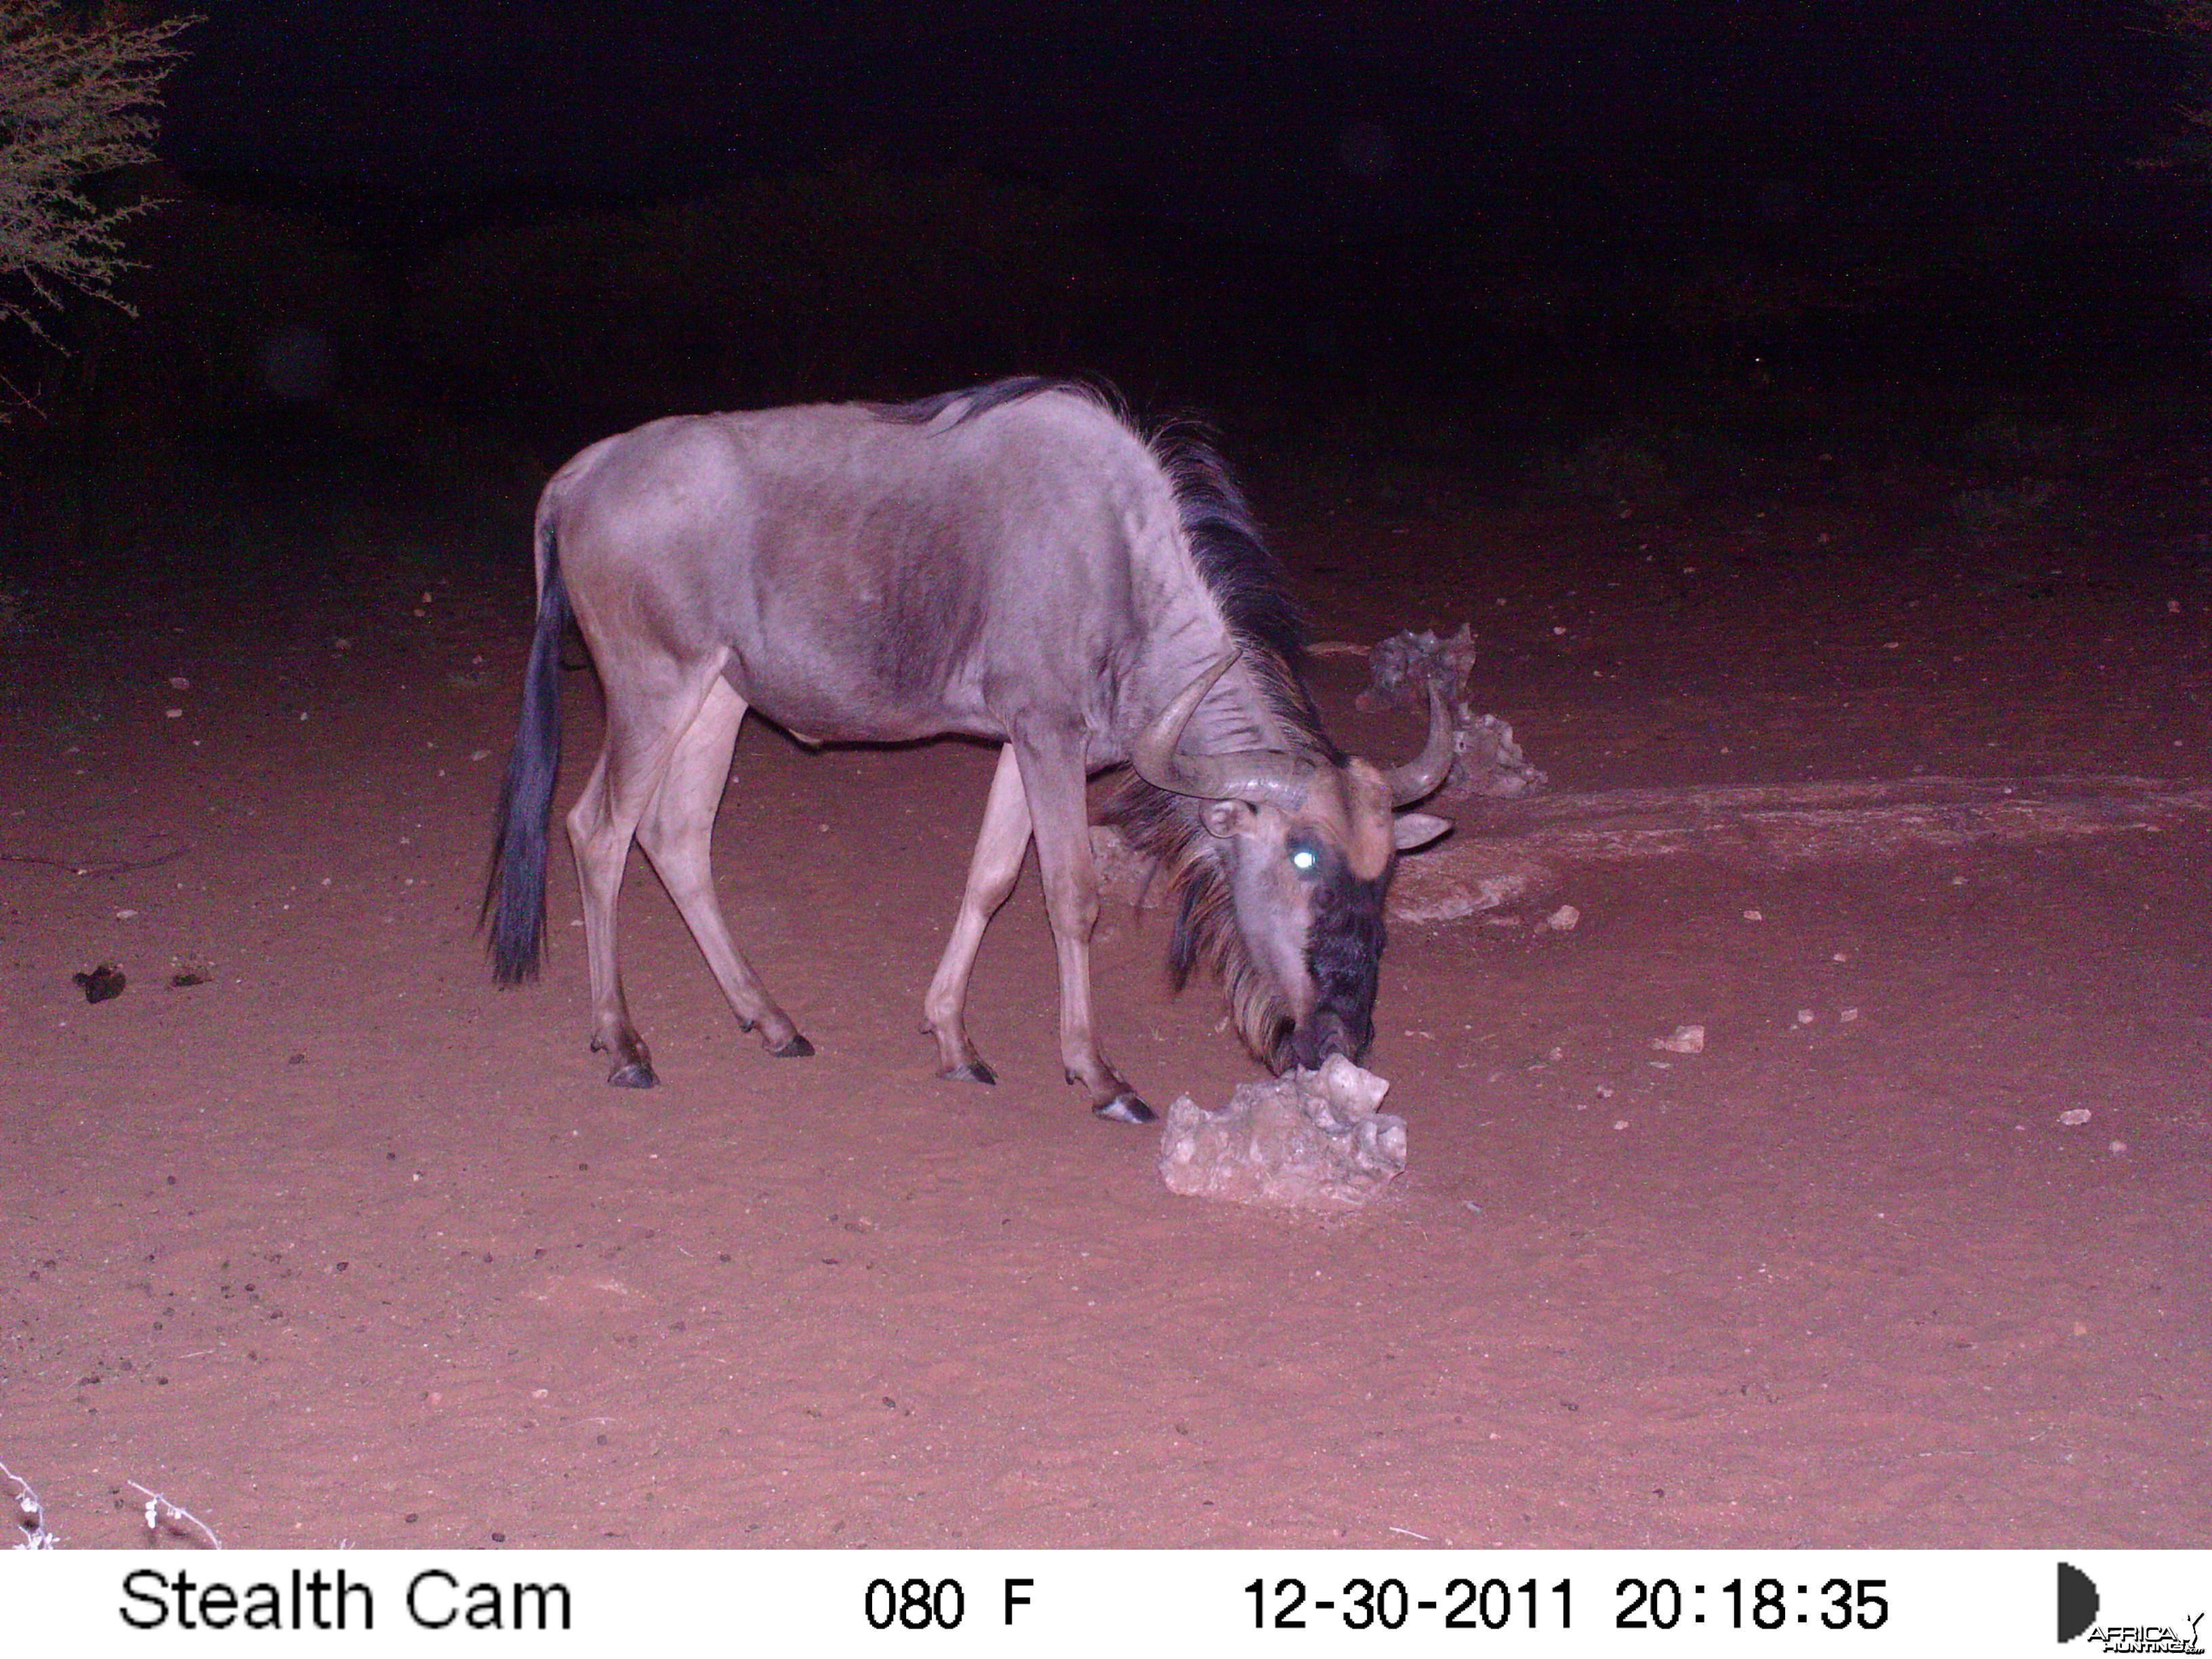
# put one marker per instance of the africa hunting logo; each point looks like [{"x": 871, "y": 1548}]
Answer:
[
  {"x": 2078, "y": 1605},
  {"x": 2146, "y": 1638}
]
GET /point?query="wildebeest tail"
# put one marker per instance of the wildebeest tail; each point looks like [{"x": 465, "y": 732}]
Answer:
[{"x": 514, "y": 890}]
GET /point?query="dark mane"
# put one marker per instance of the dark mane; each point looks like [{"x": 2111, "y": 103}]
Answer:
[
  {"x": 1250, "y": 586},
  {"x": 1247, "y": 579},
  {"x": 979, "y": 399}
]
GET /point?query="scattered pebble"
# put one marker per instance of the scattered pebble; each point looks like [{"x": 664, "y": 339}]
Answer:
[
  {"x": 1561, "y": 920},
  {"x": 479, "y": 754},
  {"x": 1847, "y": 1015},
  {"x": 179, "y": 682},
  {"x": 2075, "y": 1119},
  {"x": 1806, "y": 1016},
  {"x": 1687, "y": 1040},
  {"x": 103, "y": 984},
  {"x": 1621, "y": 1123},
  {"x": 174, "y": 713},
  {"x": 2118, "y": 1148},
  {"x": 125, "y": 915},
  {"x": 1753, "y": 915}
]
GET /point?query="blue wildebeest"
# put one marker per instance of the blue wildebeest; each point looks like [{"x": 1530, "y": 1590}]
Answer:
[{"x": 1013, "y": 562}]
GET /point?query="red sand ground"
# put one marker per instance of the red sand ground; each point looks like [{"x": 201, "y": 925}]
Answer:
[{"x": 344, "y": 1246}]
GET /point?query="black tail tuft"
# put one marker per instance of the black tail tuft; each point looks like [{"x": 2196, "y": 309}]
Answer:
[{"x": 514, "y": 890}]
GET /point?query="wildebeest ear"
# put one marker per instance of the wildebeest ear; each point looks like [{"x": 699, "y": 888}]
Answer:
[
  {"x": 1225, "y": 818},
  {"x": 1411, "y": 829}
]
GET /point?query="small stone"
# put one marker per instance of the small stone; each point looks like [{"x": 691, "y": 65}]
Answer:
[
  {"x": 2075, "y": 1119},
  {"x": 103, "y": 984},
  {"x": 179, "y": 682},
  {"x": 174, "y": 713},
  {"x": 1686, "y": 1040},
  {"x": 1806, "y": 1016},
  {"x": 1753, "y": 915},
  {"x": 1561, "y": 920}
]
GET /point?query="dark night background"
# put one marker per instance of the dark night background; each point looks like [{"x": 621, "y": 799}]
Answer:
[{"x": 1500, "y": 231}]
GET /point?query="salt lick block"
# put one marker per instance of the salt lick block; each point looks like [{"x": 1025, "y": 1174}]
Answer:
[{"x": 1309, "y": 1141}]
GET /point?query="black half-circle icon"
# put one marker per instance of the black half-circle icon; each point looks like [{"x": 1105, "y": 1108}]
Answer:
[{"x": 2077, "y": 1602}]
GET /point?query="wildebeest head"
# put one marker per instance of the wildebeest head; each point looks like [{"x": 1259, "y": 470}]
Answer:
[{"x": 1300, "y": 851}]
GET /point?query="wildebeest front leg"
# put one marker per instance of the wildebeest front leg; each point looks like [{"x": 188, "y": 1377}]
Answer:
[
  {"x": 992, "y": 873},
  {"x": 678, "y": 832},
  {"x": 1053, "y": 774}
]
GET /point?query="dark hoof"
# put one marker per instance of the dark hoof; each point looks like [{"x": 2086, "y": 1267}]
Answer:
[
  {"x": 797, "y": 1048},
  {"x": 974, "y": 1071},
  {"x": 1126, "y": 1107},
  {"x": 636, "y": 1075}
]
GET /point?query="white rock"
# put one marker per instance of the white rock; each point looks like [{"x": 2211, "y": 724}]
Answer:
[
  {"x": 1309, "y": 1141},
  {"x": 1687, "y": 1040}
]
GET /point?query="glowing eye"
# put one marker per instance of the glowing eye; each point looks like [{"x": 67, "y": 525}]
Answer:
[{"x": 1305, "y": 858}]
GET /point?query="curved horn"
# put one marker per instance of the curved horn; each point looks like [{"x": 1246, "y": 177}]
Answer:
[
  {"x": 1253, "y": 776},
  {"x": 1422, "y": 774}
]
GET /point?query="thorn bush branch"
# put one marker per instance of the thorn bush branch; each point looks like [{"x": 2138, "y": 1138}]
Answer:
[{"x": 76, "y": 102}]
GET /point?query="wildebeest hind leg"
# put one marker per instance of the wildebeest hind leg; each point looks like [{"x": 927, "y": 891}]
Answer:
[
  {"x": 992, "y": 873},
  {"x": 648, "y": 708},
  {"x": 677, "y": 832},
  {"x": 601, "y": 843}
]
